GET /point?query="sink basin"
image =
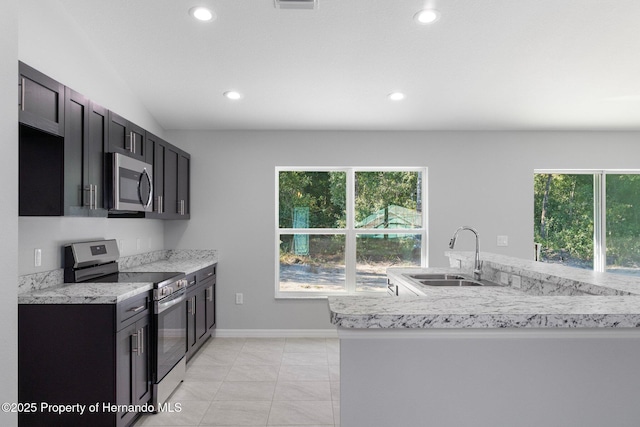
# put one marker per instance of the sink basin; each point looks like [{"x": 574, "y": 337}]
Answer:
[
  {"x": 450, "y": 282},
  {"x": 436, "y": 277}
]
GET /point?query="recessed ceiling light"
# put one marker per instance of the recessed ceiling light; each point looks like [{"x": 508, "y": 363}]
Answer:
[
  {"x": 396, "y": 96},
  {"x": 426, "y": 16},
  {"x": 202, "y": 13},
  {"x": 232, "y": 94}
]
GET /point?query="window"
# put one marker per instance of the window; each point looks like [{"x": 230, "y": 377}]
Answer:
[
  {"x": 338, "y": 229},
  {"x": 588, "y": 219}
]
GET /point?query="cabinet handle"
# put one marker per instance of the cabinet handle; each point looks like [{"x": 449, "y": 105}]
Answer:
[
  {"x": 136, "y": 309},
  {"x": 133, "y": 135},
  {"x": 136, "y": 335},
  {"x": 95, "y": 196},
  {"x": 193, "y": 306},
  {"x": 210, "y": 293},
  {"x": 22, "y": 93},
  {"x": 87, "y": 188},
  {"x": 141, "y": 341},
  {"x": 181, "y": 207}
]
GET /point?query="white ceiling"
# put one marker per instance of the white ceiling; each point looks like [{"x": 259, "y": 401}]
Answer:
[{"x": 496, "y": 64}]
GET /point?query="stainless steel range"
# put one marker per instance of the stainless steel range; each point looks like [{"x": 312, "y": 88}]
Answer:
[{"x": 96, "y": 261}]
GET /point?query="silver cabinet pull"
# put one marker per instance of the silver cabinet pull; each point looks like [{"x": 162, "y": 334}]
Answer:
[
  {"x": 141, "y": 341},
  {"x": 136, "y": 309},
  {"x": 128, "y": 142},
  {"x": 95, "y": 196},
  {"x": 210, "y": 293},
  {"x": 87, "y": 188},
  {"x": 136, "y": 350},
  {"x": 22, "y": 93},
  {"x": 133, "y": 134},
  {"x": 159, "y": 208}
]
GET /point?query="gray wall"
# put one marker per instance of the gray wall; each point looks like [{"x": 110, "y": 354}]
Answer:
[
  {"x": 483, "y": 179},
  {"x": 9, "y": 209}
]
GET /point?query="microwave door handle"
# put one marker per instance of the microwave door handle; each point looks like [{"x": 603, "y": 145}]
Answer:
[{"x": 150, "y": 196}]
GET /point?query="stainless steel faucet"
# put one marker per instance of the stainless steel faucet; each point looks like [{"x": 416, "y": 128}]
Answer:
[{"x": 477, "y": 269}]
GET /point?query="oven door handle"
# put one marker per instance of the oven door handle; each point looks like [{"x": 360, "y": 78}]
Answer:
[{"x": 169, "y": 302}]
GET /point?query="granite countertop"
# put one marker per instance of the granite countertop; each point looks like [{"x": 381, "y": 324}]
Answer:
[
  {"x": 612, "y": 306},
  {"x": 186, "y": 261}
]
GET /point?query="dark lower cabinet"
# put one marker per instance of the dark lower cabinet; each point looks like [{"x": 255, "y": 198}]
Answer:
[
  {"x": 91, "y": 356},
  {"x": 133, "y": 387},
  {"x": 200, "y": 308}
]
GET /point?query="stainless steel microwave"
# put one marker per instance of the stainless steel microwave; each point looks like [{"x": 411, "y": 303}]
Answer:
[{"x": 131, "y": 184}]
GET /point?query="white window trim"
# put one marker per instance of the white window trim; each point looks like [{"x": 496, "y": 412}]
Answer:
[
  {"x": 350, "y": 231},
  {"x": 599, "y": 207}
]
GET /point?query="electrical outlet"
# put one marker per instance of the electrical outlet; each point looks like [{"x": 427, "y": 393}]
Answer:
[
  {"x": 37, "y": 257},
  {"x": 503, "y": 241},
  {"x": 239, "y": 299}
]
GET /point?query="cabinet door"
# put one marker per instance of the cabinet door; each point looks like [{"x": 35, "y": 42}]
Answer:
[
  {"x": 210, "y": 305},
  {"x": 41, "y": 101},
  {"x": 126, "y": 352},
  {"x": 201, "y": 312},
  {"x": 184, "y": 165},
  {"x": 75, "y": 141},
  {"x": 95, "y": 154},
  {"x": 171, "y": 182},
  {"x": 125, "y": 137},
  {"x": 133, "y": 377},
  {"x": 142, "y": 363},
  {"x": 191, "y": 324},
  {"x": 156, "y": 149},
  {"x": 119, "y": 140}
]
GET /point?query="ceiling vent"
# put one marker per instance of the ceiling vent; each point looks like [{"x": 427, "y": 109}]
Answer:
[{"x": 296, "y": 4}]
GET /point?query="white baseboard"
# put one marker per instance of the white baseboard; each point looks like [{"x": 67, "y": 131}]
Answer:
[{"x": 275, "y": 333}]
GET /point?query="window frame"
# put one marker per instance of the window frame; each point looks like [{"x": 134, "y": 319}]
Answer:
[
  {"x": 350, "y": 232},
  {"x": 599, "y": 207}
]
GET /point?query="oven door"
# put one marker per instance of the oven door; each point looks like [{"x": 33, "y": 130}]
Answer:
[
  {"x": 171, "y": 324},
  {"x": 132, "y": 184}
]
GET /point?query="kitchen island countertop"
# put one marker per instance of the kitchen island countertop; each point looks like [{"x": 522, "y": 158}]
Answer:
[{"x": 498, "y": 307}]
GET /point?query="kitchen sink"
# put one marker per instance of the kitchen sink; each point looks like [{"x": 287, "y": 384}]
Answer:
[
  {"x": 436, "y": 276},
  {"x": 450, "y": 282}
]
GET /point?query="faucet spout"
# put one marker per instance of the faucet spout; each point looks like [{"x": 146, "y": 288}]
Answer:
[{"x": 477, "y": 269}]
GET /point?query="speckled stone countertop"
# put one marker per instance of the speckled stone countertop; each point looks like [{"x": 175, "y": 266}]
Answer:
[
  {"x": 186, "y": 261},
  {"x": 534, "y": 295}
]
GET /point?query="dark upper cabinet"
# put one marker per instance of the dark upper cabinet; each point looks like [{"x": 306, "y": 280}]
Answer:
[
  {"x": 171, "y": 179},
  {"x": 126, "y": 138},
  {"x": 184, "y": 168},
  {"x": 85, "y": 137},
  {"x": 41, "y": 101},
  {"x": 95, "y": 158},
  {"x": 63, "y": 144}
]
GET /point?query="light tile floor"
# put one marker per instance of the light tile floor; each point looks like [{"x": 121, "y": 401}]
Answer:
[{"x": 258, "y": 382}]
